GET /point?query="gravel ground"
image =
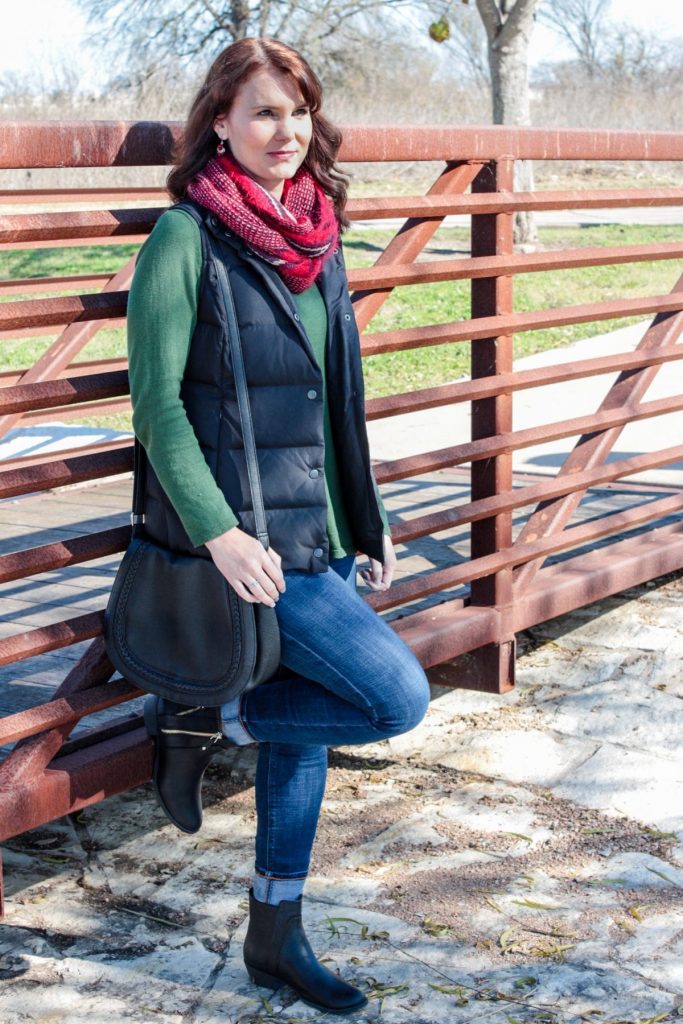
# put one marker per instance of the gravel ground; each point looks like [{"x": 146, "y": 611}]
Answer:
[{"x": 515, "y": 858}]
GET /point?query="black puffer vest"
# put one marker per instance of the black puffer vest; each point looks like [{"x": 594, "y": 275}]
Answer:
[{"x": 285, "y": 390}]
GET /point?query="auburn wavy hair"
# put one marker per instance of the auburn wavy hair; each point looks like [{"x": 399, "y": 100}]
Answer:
[{"x": 230, "y": 69}]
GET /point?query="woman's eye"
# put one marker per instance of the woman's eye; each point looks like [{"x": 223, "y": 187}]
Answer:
[{"x": 300, "y": 110}]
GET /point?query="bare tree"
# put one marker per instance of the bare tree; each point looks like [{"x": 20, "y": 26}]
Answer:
[
  {"x": 634, "y": 54},
  {"x": 509, "y": 24},
  {"x": 583, "y": 25},
  {"x": 152, "y": 34},
  {"x": 464, "y": 37},
  {"x": 607, "y": 49}
]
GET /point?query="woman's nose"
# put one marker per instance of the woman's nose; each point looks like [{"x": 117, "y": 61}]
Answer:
[{"x": 286, "y": 128}]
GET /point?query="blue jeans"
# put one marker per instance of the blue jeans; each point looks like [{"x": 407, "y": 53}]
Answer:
[{"x": 346, "y": 677}]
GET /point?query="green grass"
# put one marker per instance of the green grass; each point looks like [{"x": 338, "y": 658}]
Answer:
[
  {"x": 406, "y": 307},
  {"x": 90, "y": 259},
  {"x": 436, "y": 303}
]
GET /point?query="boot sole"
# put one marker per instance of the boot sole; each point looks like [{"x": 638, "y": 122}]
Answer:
[
  {"x": 333, "y": 1009},
  {"x": 152, "y": 727},
  {"x": 270, "y": 981}
]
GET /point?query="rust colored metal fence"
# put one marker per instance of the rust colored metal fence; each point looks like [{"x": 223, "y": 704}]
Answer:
[{"x": 46, "y": 775}]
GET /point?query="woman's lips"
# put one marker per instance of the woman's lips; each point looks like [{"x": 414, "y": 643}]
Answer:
[{"x": 283, "y": 154}]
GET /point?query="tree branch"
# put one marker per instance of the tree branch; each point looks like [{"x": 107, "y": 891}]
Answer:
[
  {"x": 520, "y": 16},
  {"x": 489, "y": 12}
]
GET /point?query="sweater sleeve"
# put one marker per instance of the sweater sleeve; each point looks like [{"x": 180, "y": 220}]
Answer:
[{"x": 162, "y": 314}]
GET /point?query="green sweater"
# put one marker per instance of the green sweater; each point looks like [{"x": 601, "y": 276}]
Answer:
[{"x": 162, "y": 314}]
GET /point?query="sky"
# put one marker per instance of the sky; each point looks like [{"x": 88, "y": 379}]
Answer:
[{"x": 35, "y": 32}]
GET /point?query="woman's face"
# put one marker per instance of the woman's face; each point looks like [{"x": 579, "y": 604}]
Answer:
[{"x": 269, "y": 128}]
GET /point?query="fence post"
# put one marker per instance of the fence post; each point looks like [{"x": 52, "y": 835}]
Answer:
[{"x": 492, "y": 668}]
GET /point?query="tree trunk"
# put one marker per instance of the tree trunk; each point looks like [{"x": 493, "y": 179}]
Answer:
[{"x": 508, "y": 28}]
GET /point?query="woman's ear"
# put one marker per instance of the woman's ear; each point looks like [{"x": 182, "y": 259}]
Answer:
[{"x": 220, "y": 127}]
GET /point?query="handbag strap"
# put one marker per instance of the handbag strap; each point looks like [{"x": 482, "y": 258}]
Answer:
[
  {"x": 248, "y": 440},
  {"x": 240, "y": 376}
]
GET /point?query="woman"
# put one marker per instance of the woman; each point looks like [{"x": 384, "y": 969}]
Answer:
[{"x": 256, "y": 172}]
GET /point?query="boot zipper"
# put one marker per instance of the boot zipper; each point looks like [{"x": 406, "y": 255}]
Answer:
[{"x": 215, "y": 736}]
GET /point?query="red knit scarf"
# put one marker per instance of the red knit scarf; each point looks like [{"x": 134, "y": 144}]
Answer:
[{"x": 295, "y": 234}]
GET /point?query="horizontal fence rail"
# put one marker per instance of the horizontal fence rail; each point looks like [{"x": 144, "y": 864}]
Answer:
[
  {"x": 508, "y": 583},
  {"x": 32, "y": 145}
]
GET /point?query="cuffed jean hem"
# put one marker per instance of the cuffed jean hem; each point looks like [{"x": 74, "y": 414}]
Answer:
[
  {"x": 273, "y": 890},
  {"x": 233, "y": 726}
]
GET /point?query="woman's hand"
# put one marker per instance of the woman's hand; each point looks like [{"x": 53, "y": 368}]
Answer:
[
  {"x": 242, "y": 559},
  {"x": 380, "y": 575}
]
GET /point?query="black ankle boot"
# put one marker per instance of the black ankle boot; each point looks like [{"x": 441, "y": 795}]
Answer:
[
  {"x": 277, "y": 952},
  {"x": 186, "y": 738}
]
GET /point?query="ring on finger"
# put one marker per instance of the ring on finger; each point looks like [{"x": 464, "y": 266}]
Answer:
[{"x": 253, "y": 583}]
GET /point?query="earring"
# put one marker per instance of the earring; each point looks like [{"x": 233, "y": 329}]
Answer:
[{"x": 220, "y": 148}]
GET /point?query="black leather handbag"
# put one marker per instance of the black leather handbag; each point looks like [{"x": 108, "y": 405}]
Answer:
[{"x": 173, "y": 625}]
